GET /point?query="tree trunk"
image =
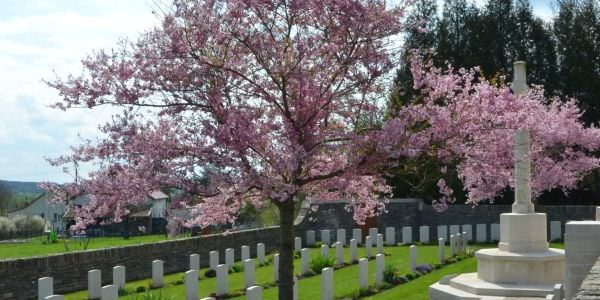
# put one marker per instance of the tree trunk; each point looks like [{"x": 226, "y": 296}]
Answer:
[
  {"x": 126, "y": 227},
  {"x": 286, "y": 250}
]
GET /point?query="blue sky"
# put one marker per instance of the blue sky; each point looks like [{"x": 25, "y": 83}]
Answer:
[{"x": 40, "y": 37}]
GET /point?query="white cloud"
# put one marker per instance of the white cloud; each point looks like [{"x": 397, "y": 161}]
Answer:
[{"x": 32, "y": 45}]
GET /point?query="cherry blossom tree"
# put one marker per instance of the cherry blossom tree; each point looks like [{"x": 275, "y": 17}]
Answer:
[
  {"x": 266, "y": 100},
  {"x": 468, "y": 123}
]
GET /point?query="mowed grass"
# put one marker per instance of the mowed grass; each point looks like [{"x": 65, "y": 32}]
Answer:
[
  {"x": 36, "y": 247},
  {"x": 345, "y": 279}
]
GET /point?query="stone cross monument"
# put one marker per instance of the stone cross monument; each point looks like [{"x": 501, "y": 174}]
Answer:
[
  {"x": 522, "y": 203},
  {"x": 523, "y": 265}
]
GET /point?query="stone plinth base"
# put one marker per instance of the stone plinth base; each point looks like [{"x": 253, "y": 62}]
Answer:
[
  {"x": 469, "y": 287},
  {"x": 523, "y": 232},
  {"x": 497, "y": 266}
]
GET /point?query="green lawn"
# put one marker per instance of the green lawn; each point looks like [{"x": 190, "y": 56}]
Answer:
[
  {"x": 36, "y": 246},
  {"x": 346, "y": 279}
]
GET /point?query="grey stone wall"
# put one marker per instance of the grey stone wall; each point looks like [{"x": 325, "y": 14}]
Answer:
[
  {"x": 413, "y": 213},
  {"x": 18, "y": 277}
]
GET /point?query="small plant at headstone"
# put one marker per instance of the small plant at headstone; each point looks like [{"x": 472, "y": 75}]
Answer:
[
  {"x": 469, "y": 251},
  {"x": 423, "y": 269},
  {"x": 262, "y": 264},
  {"x": 140, "y": 289},
  {"x": 390, "y": 274},
  {"x": 320, "y": 262},
  {"x": 236, "y": 268},
  {"x": 210, "y": 273}
]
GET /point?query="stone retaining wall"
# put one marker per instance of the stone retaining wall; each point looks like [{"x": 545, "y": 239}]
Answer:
[
  {"x": 414, "y": 213},
  {"x": 18, "y": 277}
]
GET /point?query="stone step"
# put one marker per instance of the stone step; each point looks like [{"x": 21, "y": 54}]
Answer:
[
  {"x": 447, "y": 292},
  {"x": 470, "y": 283}
]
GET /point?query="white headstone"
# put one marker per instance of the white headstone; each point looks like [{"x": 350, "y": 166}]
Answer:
[
  {"x": 229, "y": 257},
  {"x": 598, "y": 213},
  {"x": 327, "y": 284},
  {"x": 379, "y": 243},
  {"x": 481, "y": 233},
  {"x": 109, "y": 292},
  {"x": 157, "y": 273},
  {"x": 245, "y": 253},
  {"x": 368, "y": 244},
  {"x": 54, "y": 297},
  {"x": 304, "y": 261},
  {"x": 458, "y": 239},
  {"x": 295, "y": 288},
  {"x": 442, "y": 232},
  {"x": 465, "y": 241},
  {"x": 324, "y": 250},
  {"x": 357, "y": 235},
  {"x": 353, "y": 251},
  {"x": 467, "y": 231},
  {"x": 495, "y": 232},
  {"x": 407, "y": 235},
  {"x": 454, "y": 229},
  {"x": 222, "y": 279},
  {"x": 555, "y": 231},
  {"x": 213, "y": 260},
  {"x": 341, "y": 236},
  {"x": 373, "y": 234},
  {"x": 363, "y": 266},
  {"x": 94, "y": 284},
  {"x": 424, "y": 234},
  {"x": 339, "y": 253},
  {"x": 441, "y": 250},
  {"x": 452, "y": 245},
  {"x": 413, "y": 257},
  {"x": 326, "y": 237},
  {"x": 45, "y": 287},
  {"x": 380, "y": 261},
  {"x": 276, "y": 267},
  {"x": 390, "y": 236},
  {"x": 194, "y": 262},
  {"x": 119, "y": 277},
  {"x": 297, "y": 244},
  {"x": 254, "y": 293},
  {"x": 191, "y": 285},
  {"x": 310, "y": 237},
  {"x": 249, "y": 272},
  {"x": 260, "y": 253}
]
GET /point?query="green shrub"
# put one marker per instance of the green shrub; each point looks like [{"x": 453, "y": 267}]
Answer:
[
  {"x": 236, "y": 268},
  {"x": 210, "y": 273},
  {"x": 317, "y": 264},
  {"x": 140, "y": 289},
  {"x": 390, "y": 274}
]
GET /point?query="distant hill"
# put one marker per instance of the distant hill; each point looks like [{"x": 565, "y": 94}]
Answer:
[{"x": 20, "y": 187}]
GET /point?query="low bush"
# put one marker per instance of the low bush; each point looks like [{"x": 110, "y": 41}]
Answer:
[
  {"x": 210, "y": 273},
  {"x": 320, "y": 262},
  {"x": 423, "y": 269}
]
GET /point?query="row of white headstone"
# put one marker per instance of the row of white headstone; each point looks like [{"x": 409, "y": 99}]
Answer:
[
  {"x": 443, "y": 231},
  {"x": 109, "y": 292},
  {"x": 458, "y": 243}
]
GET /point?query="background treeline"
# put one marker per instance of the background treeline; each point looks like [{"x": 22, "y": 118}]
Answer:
[{"x": 563, "y": 54}]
